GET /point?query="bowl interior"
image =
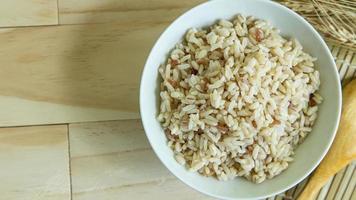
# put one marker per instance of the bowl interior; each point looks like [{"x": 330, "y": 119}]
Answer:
[{"x": 308, "y": 154}]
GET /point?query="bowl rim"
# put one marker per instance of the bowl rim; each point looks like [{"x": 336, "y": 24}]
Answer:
[{"x": 335, "y": 127}]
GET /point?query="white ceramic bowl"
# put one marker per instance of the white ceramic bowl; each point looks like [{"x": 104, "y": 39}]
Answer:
[{"x": 308, "y": 154}]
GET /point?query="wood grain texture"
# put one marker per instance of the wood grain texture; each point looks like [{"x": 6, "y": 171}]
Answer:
[
  {"x": 123, "y": 11},
  {"x": 34, "y": 163},
  {"x": 94, "y": 68},
  {"x": 28, "y": 12},
  {"x": 113, "y": 160},
  {"x": 171, "y": 189},
  {"x": 19, "y": 112},
  {"x": 85, "y": 72}
]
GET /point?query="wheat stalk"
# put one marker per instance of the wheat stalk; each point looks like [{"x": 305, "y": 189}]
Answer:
[{"x": 335, "y": 19}]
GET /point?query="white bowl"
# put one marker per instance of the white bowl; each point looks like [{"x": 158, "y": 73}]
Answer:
[{"x": 308, "y": 154}]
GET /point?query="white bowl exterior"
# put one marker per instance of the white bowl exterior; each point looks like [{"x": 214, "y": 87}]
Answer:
[{"x": 308, "y": 154}]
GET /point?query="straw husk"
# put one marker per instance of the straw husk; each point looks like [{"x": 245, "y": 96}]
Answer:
[{"x": 335, "y": 19}]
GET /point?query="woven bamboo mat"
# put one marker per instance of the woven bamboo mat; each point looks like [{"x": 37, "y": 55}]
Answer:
[{"x": 343, "y": 185}]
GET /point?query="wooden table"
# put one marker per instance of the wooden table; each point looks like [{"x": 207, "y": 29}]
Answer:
[{"x": 69, "y": 102}]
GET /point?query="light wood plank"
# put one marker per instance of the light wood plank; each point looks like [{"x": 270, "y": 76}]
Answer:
[
  {"x": 105, "y": 138},
  {"x": 34, "y": 163},
  {"x": 19, "y": 112},
  {"x": 93, "y": 69},
  {"x": 123, "y": 11},
  {"x": 171, "y": 189},
  {"x": 28, "y": 12},
  {"x": 113, "y": 160},
  {"x": 98, "y": 172}
]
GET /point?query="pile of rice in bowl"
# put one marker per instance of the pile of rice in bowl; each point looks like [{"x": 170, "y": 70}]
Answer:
[{"x": 237, "y": 98}]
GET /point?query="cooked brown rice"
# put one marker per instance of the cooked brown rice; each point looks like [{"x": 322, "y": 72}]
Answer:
[{"x": 237, "y": 98}]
